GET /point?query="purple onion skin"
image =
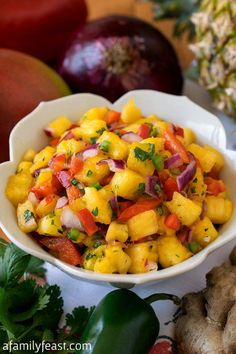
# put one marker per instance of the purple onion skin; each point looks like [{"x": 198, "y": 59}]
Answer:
[{"x": 116, "y": 54}]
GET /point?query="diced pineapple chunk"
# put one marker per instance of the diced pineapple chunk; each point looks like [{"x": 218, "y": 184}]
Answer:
[
  {"x": 95, "y": 113},
  {"x": 206, "y": 157},
  {"x": 158, "y": 142},
  {"x": 142, "y": 254},
  {"x": 130, "y": 112},
  {"x": 106, "y": 192},
  {"x": 117, "y": 232},
  {"x": 114, "y": 261},
  {"x": 92, "y": 255},
  {"x": 91, "y": 171},
  {"x": 197, "y": 188},
  {"x": 219, "y": 159},
  {"x": 219, "y": 210},
  {"x": 142, "y": 225},
  {"x": 146, "y": 167},
  {"x": 77, "y": 204},
  {"x": 44, "y": 177},
  {"x": 115, "y": 147},
  {"x": 204, "y": 232},
  {"x": 70, "y": 146},
  {"x": 98, "y": 206},
  {"x": 29, "y": 155},
  {"x": 126, "y": 183},
  {"x": 18, "y": 187},
  {"x": 24, "y": 166},
  {"x": 186, "y": 210},
  {"x": 50, "y": 225},
  {"x": 58, "y": 126},
  {"x": 42, "y": 158},
  {"x": 171, "y": 251},
  {"x": 47, "y": 205},
  {"x": 188, "y": 138},
  {"x": 90, "y": 129},
  {"x": 26, "y": 217}
]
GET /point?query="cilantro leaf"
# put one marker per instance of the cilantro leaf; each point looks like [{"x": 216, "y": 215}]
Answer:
[
  {"x": 78, "y": 319},
  {"x": 13, "y": 265},
  {"x": 143, "y": 155},
  {"x": 35, "y": 267}
]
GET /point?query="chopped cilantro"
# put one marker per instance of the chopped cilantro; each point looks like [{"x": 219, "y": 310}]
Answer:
[
  {"x": 100, "y": 131},
  {"x": 104, "y": 146},
  {"x": 28, "y": 215},
  {"x": 193, "y": 189},
  {"x": 158, "y": 188},
  {"x": 194, "y": 246},
  {"x": 95, "y": 211},
  {"x": 74, "y": 181},
  {"x": 97, "y": 244},
  {"x": 160, "y": 210},
  {"x": 93, "y": 140},
  {"x": 158, "y": 162},
  {"x": 89, "y": 173},
  {"x": 90, "y": 256},
  {"x": 141, "y": 187},
  {"x": 97, "y": 185},
  {"x": 195, "y": 180},
  {"x": 144, "y": 155}
]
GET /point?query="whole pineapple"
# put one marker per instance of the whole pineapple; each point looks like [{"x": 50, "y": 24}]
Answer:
[
  {"x": 214, "y": 44},
  {"x": 215, "y": 50}
]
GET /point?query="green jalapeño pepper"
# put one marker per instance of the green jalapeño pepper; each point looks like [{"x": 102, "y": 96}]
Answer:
[{"x": 123, "y": 323}]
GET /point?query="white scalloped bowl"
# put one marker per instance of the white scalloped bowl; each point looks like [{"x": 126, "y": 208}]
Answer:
[{"x": 177, "y": 109}]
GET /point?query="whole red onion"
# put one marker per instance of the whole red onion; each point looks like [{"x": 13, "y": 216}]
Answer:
[{"x": 116, "y": 54}]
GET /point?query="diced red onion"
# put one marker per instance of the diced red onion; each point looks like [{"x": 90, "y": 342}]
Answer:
[
  {"x": 30, "y": 222},
  {"x": 39, "y": 170},
  {"x": 87, "y": 153},
  {"x": 68, "y": 135},
  {"x": 186, "y": 176},
  {"x": 114, "y": 165},
  {"x": 114, "y": 204},
  {"x": 61, "y": 202},
  {"x": 49, "y": 131},
  {"x": 150, "y": 265},
  {"x": 64, "y": 178},
  {"x": 32, "y": 198},
  {"x": 174, "y": 161},
  {"x": 151, "y": 182},
  {"x": 116, "y": 125},
  {"x": 131, "y": 137},
  {"x": 70, "y": 220}
]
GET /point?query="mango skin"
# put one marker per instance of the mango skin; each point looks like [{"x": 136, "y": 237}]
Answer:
[{"x": 25, "y": 82}]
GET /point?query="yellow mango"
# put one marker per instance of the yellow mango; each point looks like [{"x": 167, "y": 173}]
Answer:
[
  {"x": 171, "y": 251},
  {"x": 142, "y": 255},
  {"x": 130, "y": 112},
  {"x": 197, "y": 188},
  {"x": 115, "y": 147},
  {"x": 99, "y": 207},
  {"x": 145, "y": 168},
  {"x": 188, "y": 138},
  {"x": 126, "y": 183},
  {"x": 95, "y": 113},
  {"x": 24, "y": 166},
  {"x": 44, "y": 177},
  {"x": 70, "y": 146},
  {"x": 90, "y": 129},
  {"x": 18, "y": 186},
  {"x": 29, "y": 155},
  {"x": 77, "y": 204},
  {"x": 204, "y": 232},
  {"x": 91, "y": 256},
  {"x": 47, "y": 205},
  {"x": 158, "y": 142},
  {"x": 206, "y": 157},
  {"x": 26, "y": 216},
  {"x": 186, "y": 210},
  {"x": 117, "y": 232},
  {"x": 42, "y": 158},
  {"x": 58, "y": 126},
  {"x": 218, "y": 209},
  {"x": 106, "y": 192},
  {"x": 114, "y": 261},
  {"x": 219, "y": 159},
  {"x": 50, "y": 225},
  {"x": 142, "y": 225},
  {"x": 91, "y": 171},
  {"x": 162, "y": 228}
]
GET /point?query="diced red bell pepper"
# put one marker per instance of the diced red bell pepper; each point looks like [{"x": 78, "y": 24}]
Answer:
[
  {"x": 214, "y": 186},
  {"x": 175, "y": 146},
  {"x": 183, "y": 234},
  {"x": 54, "y": 142},
  {"x": 76, "y": 165},
  {"x": 138, "y": 208},
  {"x": 144, "y": 131},
  {"x": 123, "y": 206},
  {"x": 57, "y": 163},
  {"x": 162, "y": 347},
  {"x": 52, "y": 186},
  {"x": 179, "y": 131},
  {"x": 87, "y": 221},
  {"x": 64, "y": 178},
  {"x": 73, "y": 192},
  {"x": 65, "y": 249},
  {"x": 172, "y": 222},
  {"x": 170, "y": 186},
  {"x": 112, "y": 117}
]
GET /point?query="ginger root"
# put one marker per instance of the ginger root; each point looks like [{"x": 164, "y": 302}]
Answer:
[{"x": 207, "y": 324}]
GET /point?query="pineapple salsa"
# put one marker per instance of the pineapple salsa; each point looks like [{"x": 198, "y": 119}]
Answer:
[{"x": 120, "y": 192}]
